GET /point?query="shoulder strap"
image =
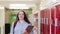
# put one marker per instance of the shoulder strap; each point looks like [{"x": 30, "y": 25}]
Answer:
[{"x": 14, "y": 26}]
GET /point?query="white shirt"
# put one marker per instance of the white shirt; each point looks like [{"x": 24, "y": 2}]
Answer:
[{"x": 20, "y": 27}]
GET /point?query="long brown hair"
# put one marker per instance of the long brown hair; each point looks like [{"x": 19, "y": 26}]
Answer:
[{"x": 25, "y": 17}]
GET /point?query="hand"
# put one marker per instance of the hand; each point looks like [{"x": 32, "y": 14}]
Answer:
[{"x": 25, "y": 32}]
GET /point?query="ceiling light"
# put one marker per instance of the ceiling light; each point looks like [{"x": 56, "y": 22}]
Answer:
[{"x": 18, "y": 6}]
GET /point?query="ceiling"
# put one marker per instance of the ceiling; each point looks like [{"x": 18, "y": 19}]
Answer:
[{"x": 6, "y": 3}]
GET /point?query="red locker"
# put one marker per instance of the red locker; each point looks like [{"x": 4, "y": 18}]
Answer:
[
  {"x": 55, "y": 12},
  {"x": 45, "y": 21},
  {"x": 41, "y": 27},
  {"x": 48, "y": 16},
  {"x": 50, "y": 20},
  {"x": 53, "y": 16},
  {"x": 58, "y": 19}
]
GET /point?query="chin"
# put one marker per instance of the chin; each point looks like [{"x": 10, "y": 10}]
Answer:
[{"x": 21, "y": 19}]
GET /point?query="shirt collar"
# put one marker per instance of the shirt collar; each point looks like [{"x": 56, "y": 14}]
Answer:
[{"x": 21, "y": 21}]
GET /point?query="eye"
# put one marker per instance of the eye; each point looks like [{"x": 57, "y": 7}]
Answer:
[{"x": 19, "y": 14}]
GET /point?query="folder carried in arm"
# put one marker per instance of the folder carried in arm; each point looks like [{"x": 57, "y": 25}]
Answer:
[{"x": 29, "y": 28}]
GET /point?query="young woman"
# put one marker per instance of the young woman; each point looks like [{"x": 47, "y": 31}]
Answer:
[{"x": 22, "y": 23}]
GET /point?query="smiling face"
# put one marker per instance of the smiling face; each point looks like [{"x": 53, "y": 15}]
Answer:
[{"x": 21, "y": 15}]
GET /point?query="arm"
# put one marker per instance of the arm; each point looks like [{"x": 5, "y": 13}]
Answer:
[
  {"x": 25, "y": 32},
  {"x": 32, "y": 32},
  {"x": 28, "y": 30}
]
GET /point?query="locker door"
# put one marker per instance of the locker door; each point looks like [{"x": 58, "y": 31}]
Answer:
[
  {"x": 41, "y": 24},
  {"x": 58, "y": 18},
  {"x": 45, "y": 21},
  {"x": 53, "y": 17},
  {"x": 48, "y": 16}
]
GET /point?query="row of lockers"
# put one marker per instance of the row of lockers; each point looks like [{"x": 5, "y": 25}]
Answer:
[{"x": 50, "y": 20}]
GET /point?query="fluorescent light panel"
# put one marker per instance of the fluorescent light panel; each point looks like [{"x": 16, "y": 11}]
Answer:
[{"x": 18, "y": 6}]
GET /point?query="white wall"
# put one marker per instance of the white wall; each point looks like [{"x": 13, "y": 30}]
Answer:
[{"x": 2, "y": 20}]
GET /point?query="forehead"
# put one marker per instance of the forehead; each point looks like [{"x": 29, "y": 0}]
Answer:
[{"x": 21, "y": 12}]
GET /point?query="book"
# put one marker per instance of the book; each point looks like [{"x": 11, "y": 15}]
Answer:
[{"x": 29, "y": 28}]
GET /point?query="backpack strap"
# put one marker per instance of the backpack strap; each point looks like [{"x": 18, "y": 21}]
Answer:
[{"x": 14, "y": 26}]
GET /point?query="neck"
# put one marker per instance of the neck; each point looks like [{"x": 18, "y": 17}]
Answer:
[{"x": 21, "y": 21}]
